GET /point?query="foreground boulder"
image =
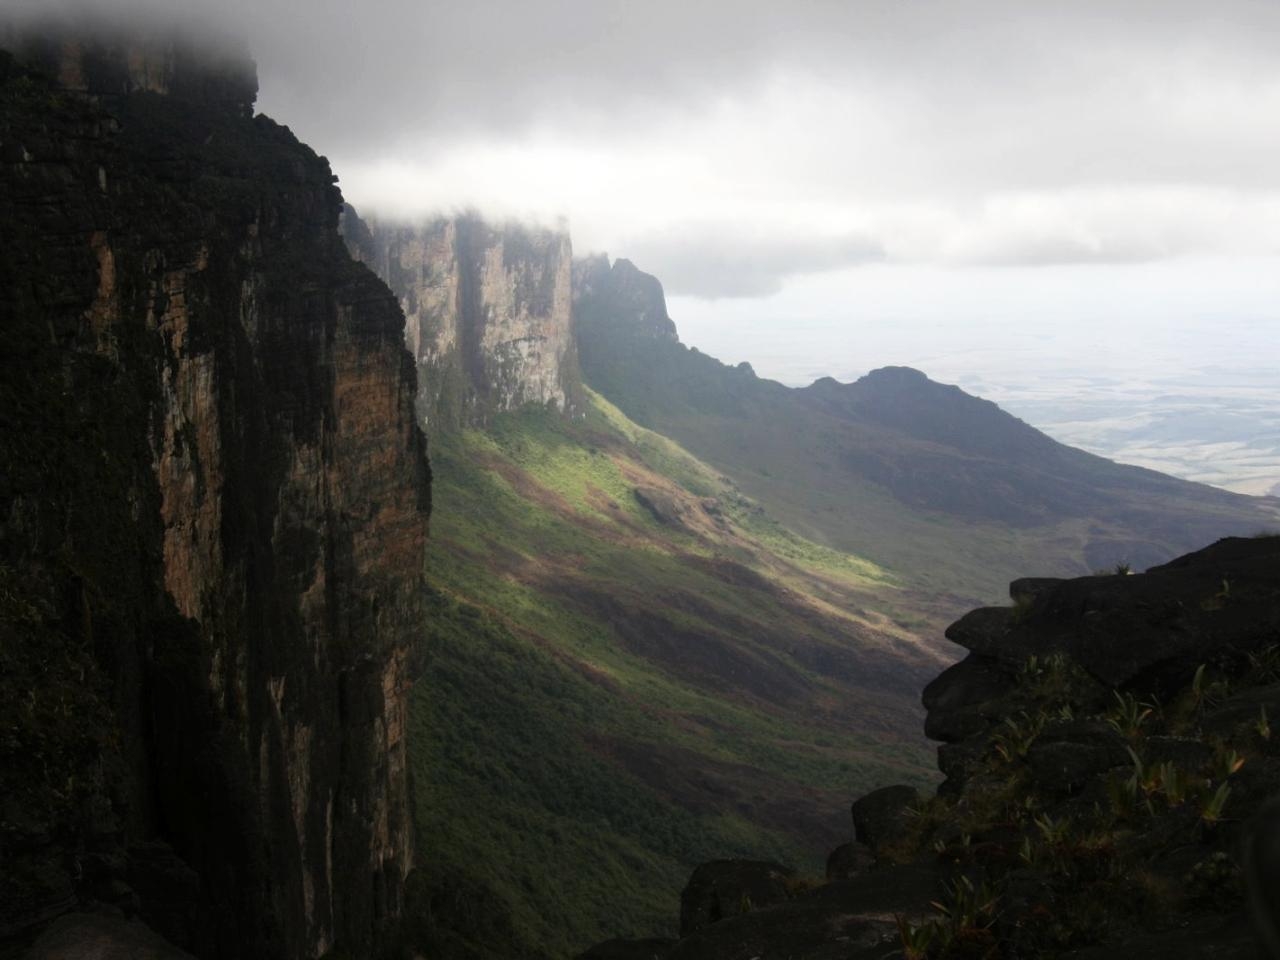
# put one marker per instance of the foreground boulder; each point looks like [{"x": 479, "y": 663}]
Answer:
[
  {"x": 880, "y": 819},
  {"x": 727, "y": 888}
]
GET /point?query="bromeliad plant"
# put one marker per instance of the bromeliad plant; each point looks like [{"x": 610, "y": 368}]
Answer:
[
  {"x": 1015, "y": 736},
  {"x": 1129, "y": 714},
  {"x": 964, "y": 928}
]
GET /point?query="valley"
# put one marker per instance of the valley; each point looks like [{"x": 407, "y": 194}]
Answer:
[{"x": 632, "y": 667}]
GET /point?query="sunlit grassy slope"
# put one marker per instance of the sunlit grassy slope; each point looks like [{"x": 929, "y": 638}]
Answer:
[{"x": 632, "y": 668}]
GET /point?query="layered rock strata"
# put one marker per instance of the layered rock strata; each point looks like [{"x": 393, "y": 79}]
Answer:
[{"x": 213, "y": 508}]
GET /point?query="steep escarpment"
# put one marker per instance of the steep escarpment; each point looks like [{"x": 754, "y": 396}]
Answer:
[
  {"x": 487, "y": 312},
  {"x": 214, "y": 502},
  {"x": 1111, "y": 774}
]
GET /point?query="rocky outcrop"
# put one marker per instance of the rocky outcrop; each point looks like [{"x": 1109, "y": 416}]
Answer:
[
  {"x": 1077, "y": 819},
  {"x": 727, "y": 888},
  {"x": 213, "y": 510},
  {"x": 487, "y": 312},
  {"x": 881, "y": 818},
  {"x": 1188, "y": 611}
]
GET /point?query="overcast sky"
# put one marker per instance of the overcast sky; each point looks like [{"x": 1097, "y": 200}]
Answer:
[{"x": 954, "y": 158}]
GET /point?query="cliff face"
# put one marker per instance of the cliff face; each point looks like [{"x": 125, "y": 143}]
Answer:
[
  {"x": 213, "y": 508},
  {"x": 487, "y": 312},
  {"x": 621, "y": 298}
]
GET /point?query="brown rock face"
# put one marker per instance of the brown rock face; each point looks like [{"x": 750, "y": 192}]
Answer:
[
  {"x": 488, "y": 312},
  {"x": 214, "y": 507}
]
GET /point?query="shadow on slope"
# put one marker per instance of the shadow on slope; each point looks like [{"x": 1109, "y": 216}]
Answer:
[{"x": 631, "y": 668}]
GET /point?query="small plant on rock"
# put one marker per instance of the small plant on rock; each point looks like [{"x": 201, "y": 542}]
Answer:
[
  {"x": 1129, "y": 715},
  {"x": 1214, "y": 804},
  {"x": 1015, "y": 736},
  {"x": 969, "y": 915},
  {"x": 915, "y": 940},
  {"x": 1264, "y": 663}
]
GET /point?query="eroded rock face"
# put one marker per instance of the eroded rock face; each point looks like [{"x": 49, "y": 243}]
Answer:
[
  {"x": 215, "y": 501},
  {"x": 487, "y": 310}
]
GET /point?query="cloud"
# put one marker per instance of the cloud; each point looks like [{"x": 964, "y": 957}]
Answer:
[
  {"x": 1113, "y": 226},
  {"x": 732, "y": 144},
  {"x": 738, "y": 260}
]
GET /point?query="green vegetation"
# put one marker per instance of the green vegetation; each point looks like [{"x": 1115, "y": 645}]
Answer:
[
  {"x": 1088, "y": 862},
  {"x": 610, "y": 698}
]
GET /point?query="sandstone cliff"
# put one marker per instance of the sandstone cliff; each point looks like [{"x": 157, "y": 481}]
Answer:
[
  {"x": 487, "y": 312},
  {"x": 213, "y": 509}
]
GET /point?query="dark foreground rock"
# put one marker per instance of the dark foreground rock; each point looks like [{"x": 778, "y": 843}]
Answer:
[
  {"x": 1218, "y": 601},
  {"x": 86, "y": 935},
  {"x": 882, "y": 817},
  {"x": 727, "y": 888},
  {"x": 650, "y": 948},
  {"x": 828, "y": 923},
  {"x": 1079, "y": 818}
]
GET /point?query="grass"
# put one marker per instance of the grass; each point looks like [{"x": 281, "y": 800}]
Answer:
[{"x": 606, "y": 696}]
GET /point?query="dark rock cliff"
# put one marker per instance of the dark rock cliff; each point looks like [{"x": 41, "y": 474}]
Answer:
[
  {"x": 213, "y": 510},
  {"x": 487, "y": 312}
]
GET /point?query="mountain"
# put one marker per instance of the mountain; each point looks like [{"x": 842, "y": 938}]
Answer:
[
  {"x": 213, "y": 509},
  {"x": 666, "y": 669},
  {"x": 249, "y": 708},
  {"x": 943, "y": 488}
]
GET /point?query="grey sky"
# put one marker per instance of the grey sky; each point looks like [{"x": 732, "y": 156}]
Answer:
[{"x": 731, "y": 145}]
